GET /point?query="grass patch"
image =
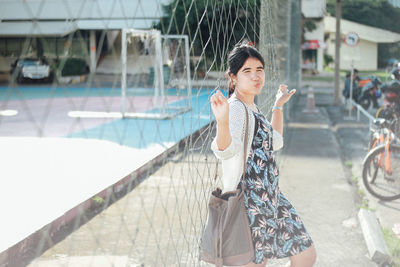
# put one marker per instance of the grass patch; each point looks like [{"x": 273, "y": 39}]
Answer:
[
  {"x": 365, "y": 204},
  {"x": 348, "y": 164},
  {"x": 97, "y": 200},
  {"x": 380, "y": 74},
  {"x": 361, "y": 193},
  {"x": 393, "y": 243},
  {"x": 332, "y": 70},
  {"x": 318, "y": 78}
]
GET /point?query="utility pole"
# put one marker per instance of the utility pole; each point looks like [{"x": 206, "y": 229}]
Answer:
[{"x": 338, "y": 42}]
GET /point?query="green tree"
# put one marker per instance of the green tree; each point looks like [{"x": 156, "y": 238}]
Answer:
[
  {"x": 213, "y": 26},
  {"x": 308, "y": 25},
  {"x": 375, "y": 13}
]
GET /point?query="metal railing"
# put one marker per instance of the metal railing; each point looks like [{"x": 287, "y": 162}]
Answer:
[{"x": 360, "y": 109}]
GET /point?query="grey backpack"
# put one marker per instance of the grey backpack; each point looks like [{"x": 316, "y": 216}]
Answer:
[{"x": 226, "y": 238}]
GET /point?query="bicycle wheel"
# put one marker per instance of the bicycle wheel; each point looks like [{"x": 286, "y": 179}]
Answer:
[
  {"x": 396, "y": 124},
  {"x": 378, "y": 181},
  {"x": 380, "y": 113}
]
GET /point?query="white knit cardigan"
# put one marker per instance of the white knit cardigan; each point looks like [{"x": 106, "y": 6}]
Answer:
[{"x": 232, "y": 156}]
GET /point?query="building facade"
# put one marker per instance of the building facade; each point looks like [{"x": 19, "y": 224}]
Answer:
[
  {"x": 363, "y": 56},
  {"x": 57, "y": 28},
  {"x": 313, "y": 42}
]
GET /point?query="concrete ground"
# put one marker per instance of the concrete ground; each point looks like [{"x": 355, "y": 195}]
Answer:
[
  {"x": 45, "y": 178},
  {"x": 159, "y": 223},
  {"x": 314, "y": 180},
  {"x": 353, "y": 137}
]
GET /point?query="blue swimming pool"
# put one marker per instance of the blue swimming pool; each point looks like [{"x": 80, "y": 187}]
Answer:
[
  {"x": 35, "y": 92},
  {"x": 142, "y": 133}
]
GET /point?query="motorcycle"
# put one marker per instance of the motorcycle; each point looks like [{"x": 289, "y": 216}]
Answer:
[
  {"x": 370, "y": 92},
  {"x": 390, "y": 109},
  {"x": 392, "y": 90}
]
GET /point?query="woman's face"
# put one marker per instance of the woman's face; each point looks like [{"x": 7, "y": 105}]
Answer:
[{"x": 250, "y": 78}]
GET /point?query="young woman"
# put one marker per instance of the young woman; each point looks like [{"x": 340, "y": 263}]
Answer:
[{"x": 276, "y": 228}]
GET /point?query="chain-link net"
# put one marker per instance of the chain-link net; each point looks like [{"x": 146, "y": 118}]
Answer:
[{"x": 105, "y": 122}]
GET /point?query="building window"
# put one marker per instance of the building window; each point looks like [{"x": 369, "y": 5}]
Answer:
[
  {"x": 3, "y": 47},
  {"x": 49, "y": 47},
  {"x": 14, "y": 47}
]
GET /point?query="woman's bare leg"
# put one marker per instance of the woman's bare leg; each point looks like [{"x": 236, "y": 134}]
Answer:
[{"x": 304, "y": 259}]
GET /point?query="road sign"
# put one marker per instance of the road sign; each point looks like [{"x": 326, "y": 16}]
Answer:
[{"x": 352, "y": 39}]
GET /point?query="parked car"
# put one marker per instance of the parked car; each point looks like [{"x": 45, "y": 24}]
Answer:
[{"x": 31, "y": 68}]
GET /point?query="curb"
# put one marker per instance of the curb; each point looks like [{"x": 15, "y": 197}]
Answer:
[{"x": 373, "y": 236}]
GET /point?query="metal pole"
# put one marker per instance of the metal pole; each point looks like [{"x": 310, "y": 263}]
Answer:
[
  {"x": 188, "y": 71},
  {"x": 187, "y": 62},
  {"x": 123, "y": 70},
  {"x": 156, "y": 74},
  {"x": 288, "y": 72},
  {"x": 351, "y": 87},
  {"x": 92, "y": 40},
  {"x": 296, "y": 43},
  {"x": 160, "y": 69},
  {"x": 337, "y": 52},
  {"x": 265, "y": 47}
]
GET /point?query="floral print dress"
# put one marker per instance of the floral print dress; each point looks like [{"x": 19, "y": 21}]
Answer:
[{"x": 276, "y": 228}]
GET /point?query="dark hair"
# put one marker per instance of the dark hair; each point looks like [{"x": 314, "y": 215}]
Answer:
[
  {"x": 349, "y": 73},
  {"x": 236, "y": 59}
]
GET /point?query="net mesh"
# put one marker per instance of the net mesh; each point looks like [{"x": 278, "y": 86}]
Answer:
[{"x": 93, "y": 186}]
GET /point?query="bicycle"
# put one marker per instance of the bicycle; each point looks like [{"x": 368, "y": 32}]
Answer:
[
  {"x": 382, "y": 132},
  {"x": 390, "y": 110},
  {"x": 381, "y": 166}
]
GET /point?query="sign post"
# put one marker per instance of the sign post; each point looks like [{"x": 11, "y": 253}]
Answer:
[{"x": 351, "y": 39}]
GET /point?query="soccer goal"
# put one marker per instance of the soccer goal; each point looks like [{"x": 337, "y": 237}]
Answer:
[
  {"x": 155, "y": 76},
  {"x": 166, "y": 58}
]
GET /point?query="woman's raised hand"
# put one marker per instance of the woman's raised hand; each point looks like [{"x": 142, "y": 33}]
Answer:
[
  {"x": 220, "y": 107},
  {"x": 283, "y": 95}
]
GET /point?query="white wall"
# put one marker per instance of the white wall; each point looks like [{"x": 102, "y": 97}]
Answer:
[
  {"x": 365, "y": 54},
  {"x": 313, "y": 8},
  {"x": 317, "y": 34}
]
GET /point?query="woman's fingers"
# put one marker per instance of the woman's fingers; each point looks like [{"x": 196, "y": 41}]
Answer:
[
  {"x": 282, "y": 90},
  {"x": 219, "y": 95},
  {"x": 222, "y": 99},
  {"x": 215, "y": 96},
  {"x": 213, "y": 100},
  {"x": 218, "y": 98},
  {"x": 283, "y": 95}
]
